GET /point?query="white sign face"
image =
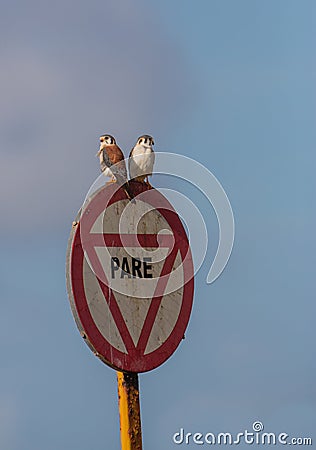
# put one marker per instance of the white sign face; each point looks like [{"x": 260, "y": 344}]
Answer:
[{"x": 130, "y": 278}]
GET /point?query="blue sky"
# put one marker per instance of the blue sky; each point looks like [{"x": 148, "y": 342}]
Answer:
[{"x": 231, "y": 83}]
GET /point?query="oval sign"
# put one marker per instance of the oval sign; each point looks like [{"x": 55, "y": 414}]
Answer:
[{"x": 130, "y": 277}]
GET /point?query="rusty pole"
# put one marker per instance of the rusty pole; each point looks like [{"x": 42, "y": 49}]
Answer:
[{"x": 129, "y": 408}]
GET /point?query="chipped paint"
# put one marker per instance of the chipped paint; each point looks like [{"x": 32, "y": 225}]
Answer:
[{"x": 129, "y": 408}]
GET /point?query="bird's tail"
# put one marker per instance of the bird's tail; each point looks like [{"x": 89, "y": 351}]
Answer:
[
  {"x": 122, "y": 181},
  {"x": 127, "y": 189}
]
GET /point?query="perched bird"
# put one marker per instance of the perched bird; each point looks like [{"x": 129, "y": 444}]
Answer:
[
  {"x": 112, "y": 162},
  {"x": 141, "y": 159}
]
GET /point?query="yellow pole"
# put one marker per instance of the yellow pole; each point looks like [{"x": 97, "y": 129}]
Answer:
[{"x": 128, "y": 398}]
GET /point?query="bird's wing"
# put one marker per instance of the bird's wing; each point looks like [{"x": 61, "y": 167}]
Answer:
[
  {"x": 105, "y": 160},
  {"x": 118, "y": 166},
  {"x": 152, "y": 162},
  {"x": 129, "y": 161},
  {"x": 115, "y": 154}
]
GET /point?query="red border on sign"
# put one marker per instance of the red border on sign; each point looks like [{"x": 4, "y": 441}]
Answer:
[{"x": 134, "y": 360}]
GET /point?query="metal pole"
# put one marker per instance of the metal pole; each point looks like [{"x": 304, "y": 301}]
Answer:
[{"x": 128, "y": 399}]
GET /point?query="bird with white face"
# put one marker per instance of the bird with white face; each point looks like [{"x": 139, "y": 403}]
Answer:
[
  {"x": 141, "y": 159},
  {"x": 112, "y": 161}
]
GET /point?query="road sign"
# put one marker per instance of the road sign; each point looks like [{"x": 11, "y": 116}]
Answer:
[{"x": 130, "y": 277}]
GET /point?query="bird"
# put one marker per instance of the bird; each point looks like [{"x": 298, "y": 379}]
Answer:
[
  {"x": 112, "y": 162},
  {"x": 141, "y": 159}
]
